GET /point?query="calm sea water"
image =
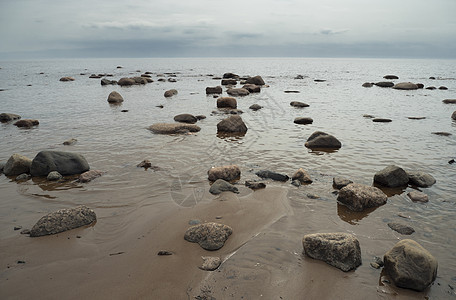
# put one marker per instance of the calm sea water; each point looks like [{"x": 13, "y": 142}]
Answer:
[{"x": 115, "y": 141}]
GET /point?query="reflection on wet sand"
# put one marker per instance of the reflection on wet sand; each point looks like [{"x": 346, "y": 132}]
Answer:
[{"x": 353, "y": 217}]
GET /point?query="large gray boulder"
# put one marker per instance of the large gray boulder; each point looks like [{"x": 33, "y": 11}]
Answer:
[
  {"x": 66, "y": 163},
  {"x": 391, "y": 176},
  {"x": 115, "y": 97},
  {"x": 358, "y": 197},
  {"x": 405, "y": 86},
  {"x": 227, "y": 173},
  {"x": 17, "y": 164},
  {"x": 173, "y": 128},
  {"x": 410, "y": 266},
  {"x": 63, "y": 220},
  {"x": 322, "y": 140},
  {"x": 232, "y": 124},
  {"x": 340, "y": 250},
  {"x": 257, "y": 80},
  {"x": 210, "y": 236},
  {"x": 220, "y": 186},
  {"x": 421, "y": 179}
]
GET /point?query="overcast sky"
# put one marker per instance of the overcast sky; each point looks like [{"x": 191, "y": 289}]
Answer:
[{"x": 148, "y": 28}]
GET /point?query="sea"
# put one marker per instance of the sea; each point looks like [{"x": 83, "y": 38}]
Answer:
[{"x": 115, "y": 138}]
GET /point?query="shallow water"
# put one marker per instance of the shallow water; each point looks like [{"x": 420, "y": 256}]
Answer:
[{"x": 126, "y": 196}]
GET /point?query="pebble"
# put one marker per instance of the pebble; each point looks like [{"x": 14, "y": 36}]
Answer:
[
  {"x": 17, "y": 227},
  {"x": 164, "y": 252},
  {"x": 25, "y": 231},
  {"x": 194, "y": 222}
]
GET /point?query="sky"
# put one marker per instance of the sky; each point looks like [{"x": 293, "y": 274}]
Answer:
[{"x": 200, "y": 28}]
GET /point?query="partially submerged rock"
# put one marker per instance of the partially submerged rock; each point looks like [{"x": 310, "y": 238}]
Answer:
[
  {"x": 302, "y": 176},
  {"x": 54, "y": 176},
  {"x": 173, "y": 128},
  {"x": 255, "y": 107},
  {"x": 233, "y": 124},
  {"x": 416, "y": 196},
  {"x": 63, "y": 220},
  {"x": 257, "y": 80},
  {"x": 385, "y": 84},
  {"x": 115, "y": 97},
  {"x": 70, "y": 142},
  {"x": 210, "y": 263},
  {"x": 210, "y": 236},
  {"x": 322, "y": 140},
  {"x": 272, "y": 175},
  {"x": 405, "y": 86},
  {"x": 401, "y": 228},
  {"x": 303, "y": 120},
  {"x": 340, "y": 250},
  {"x": 420, "y": 179},
  {"x": 391, "y": 176},
  {"x": 17, "y": 164},
  {"x": 89, "y": 176},
  {"x": 340, "y": 182},
  {"x": 221, "y": 185},
  {"x": 410, "y": 266},
  {"x": 254, "y": 185},
  {"x": 226, "y": 102},
  {"x": 252, "y": 88},
  {"x": 298, "y": 104},
  {"x": 67, "y": 78},
  {"x": 214, "y": 90},
  {"x": 170, "y": 93},
  {"x": 227, "y": 173},
  {"x": 27, "y": 123},
  {"x": 390, "y": 77},
  {"x": 358, "y": 197},
  {"x": 238, "y": 92},
  {"x": 7, "y": 117},
  {"x": 66, "y": 163},
  {"x": 446, "y": 101},
  {"x": 186, "y": 118},
  {"x": 382, "y": 120}
]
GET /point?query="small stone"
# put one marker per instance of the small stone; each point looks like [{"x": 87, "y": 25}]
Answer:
[
  {"x": 381, "y": 120},
  {"x": 17, "y": 227},
  {"x": 210, "y": 263},
  {"x": 21, "y": 262},
  {"x": 70, "y": 142},
  {"x": 255, "y": 185},
  {"x": 144, "y": 164},
  {"x": 255, "y": 107},
  {"x": 313, "y": 196},
  {"x": 302, "y": 176},
  {"x": 89, "y": 175},
  {"x": 296, "y": 183},
  {"x": 164, "y": 252},
  {"x": 194, "y": 222},
  {"x": 402, "y": 229},
  {"x": 340, "y": 182},
  {"x": 23, "y": 177},
  {"x": 272, "y": 175},
  {"x": 418, "y": 196},
  {"x": 375, "y": 265},
  {"x": 54, "y": 176},
  {"x": 170, "y": 93}
]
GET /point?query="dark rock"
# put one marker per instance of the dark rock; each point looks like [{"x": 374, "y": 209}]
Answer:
[
  {"x": 432, "y": 78},
  {"x": 405, "y": 86},
  {"x": 255, "y": 107},
  {"x": 214, "y": 90},
  {"x": 7, "y": 117},
  {"x": 340, "y": 250},
  {"x": 446, "y": 101},
  {"x": 298, "y": 104},
  {"x": 140, "y": 80},
  {"x": 144, "y": 164},
  {"x": 299, "y": 77},
  {"x": 230, "y": 75},
  {"x": 451, "y": 161},
  {"x": 385, "y": 84},
  {"x": 443, "y": 88},
  {"x": 146, "y": 75},
  {"x": 227, "y": 173},
  {"x": 95, "y": 76},
  {"x": 210, "y": 236},
  {"x": 164, "y": 253},
  {"x": 431, "y": 88},
  {"x": 416, "y": 118},
  {"x": 368, "y": 116},
  {"x": 257, "y": 80},
  {"x": 233, "y": 124},
  {"x": 173, "y": 128},
  {"x": 27, "y": 123},
  {"x": 17, "y": 164},
  {"x": 210, "y": 263},
  {"x": 410, "y": 266},
  {"x": 420, "y": 85},
  {"x": 221, "y": 185},
  {"x": 420, "y": 179},
  {"x": 291, "y": 92},
  {"x": 171, "y": 80},
  {"x": 200, "y": 117},
  {"x": 389, "y": 77},
  {"x": 252, "y": 88},
  {"x": 255, "y": 185},
  {"x": 368, "y": 84},
  {"x": 238, "y": 92},
  {"x": 382, "y": 120},
  {"x": 358, "y": 197},
  {"x": 392, "y": 176},
  {"x": 170, "y": 93},
  {"x": 302, "y": 176},
  {"x": 124, "y": 110},
  {"x": 115, "y": 97},
  {"x": 63, "y": 220},
  {"x": 229, "y": 82},
  {"x": 321, "y": 140},
  {"x": 105, "y": 81},
  {"x": 70, "y": 142},
  {"x": 416, "y": 196},
  {"x": 89, "y": 176},
  {"x": 319, "y": 80},
  {"x": 272, "y": 175},
  {"x": 54, "y": 176},
  {"x": 65, "y": 163},
  {"x": 402, "y": 229},
  {"x": 186, "y": 118},
  {"x": 17, "y": 228},
  {"x": 303, "y": 120},
  {"x": 312, "y": 196},
  {"x": 224, "y": 102},
  {"x": 340, "y": 182},
  {"x": 25, "y": 231},
  {"x": 453, "y": 115},
  {"x": 126, "y": 81},
  {"x": 67, "y": 78}
]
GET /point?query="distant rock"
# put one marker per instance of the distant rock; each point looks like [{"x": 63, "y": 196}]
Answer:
[
  {"x": 416, "y": 196},
  {"x": 410, "y": 266},
  {"x": 54, "y": 176},
  {"x": 431, "y": 88},
  {"x": 252, "y": 88},
  {"x": 66, "y": 163},
  {"x": 232, "y": 124},
  {"x": 231, "y": 75},
  {"x": 186, "y": 118},
  {"x": 144, "y": 164},
  {"x": 7, "y": 117},
  {"x": 340, "y": 250},
  {"x": 257, "y": 80},
  {"x": 173, "y": 128},
  {"x": 16, "y": 165},
  {"x": 367, "y": 116},
  {"x": 105, "y": 81},
  {"x": 23, "y": 177},
  {"x": 229, "y": 82},
  {"x": 405, "y": 86},
  {"x": 303, "y": 120},
  {"x": 221, "y": 185},
  {"x": 227, "y": 173},
  {"x": 299, "y": 77},
  {"x": 416, "y": 118},
  {"x": 210, "y": 263},
  {"x": 392, "y": 176},
  {"x": 27, "y": 123},
  {"x": 420, "y": 85},
  {"x": 172, "y": 80},
  {"x": 319, "y": 80},
  {"x": 226, "y": 102},
  {"x": 255, "y": 107},
  {"x": 453, "y": 116},
  {"x": 291, "y": 92},
  {"x": 210, "y": 236},
  {"x": 401, "y": 228},
  {"x": 322, "y": 140},
  {"x": 115, "y": 97},
  {"x": 272, "y": 175},
  {"x": 302, "y": 176},
  {"x": 70, "y": 142},
  {"x": 200, "y": 117},
  {"x": 385, "y": 84},
  {"x": 67, "y": 78},
  {"x": 420, "y": 179},
  {"x": 358, "y": 197},
  {"x": 340, "y": 182},
  {"x": 255, "y": 185},
  {"x": 446, "y": 101},
  {"x": 238, "y": 92},
  {"x": 443, "y": 88},
  {"x": 126, "y": 81},
  {"x": 140, "y": 80},
  {"x": 368, "y": 84},
  {"x": 89, "y": 176},
  {"x": 298, "y": 104},
  {"x": 63, "y": 220},
  {"x": 95, "y": 76},
  {"x": 214, "y": 90},
  {"x": 170, "y": 93},
  {"x": 389, "y": 77},
  {"x": 382, "y": 120}
]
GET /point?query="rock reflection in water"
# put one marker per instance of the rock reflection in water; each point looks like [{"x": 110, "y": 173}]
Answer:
[
  {"x": 352, "y": 217},
  {"x": 67, "y": 183}
]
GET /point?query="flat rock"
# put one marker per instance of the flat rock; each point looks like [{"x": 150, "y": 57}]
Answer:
[
  {"x": 238, "y": 92},
  {"x": 89, "y": 176},
  {"x": 255, "y": 107},
  {"x": 226, "y": 102},
  {"x": 214, "y": 90},
  {"x": 401, "y": 228},
  {"x": 233, "y": 124},
  {"x": 220, "y": 186},
  {"x": 210, "y": 236},
  {"x": 302, "y": 176},
  {"x": 252, "y": 88},
  {"x": 390, "y": 77},
  {"x": 340, "y": 250},
  {"x": 7, "y": 117},
  {"x": 210, "y": 263},
  {"x": 446, "y": 101},
  {"x": 368, "y": 84},
  {"x": 385, "y": 84},
  {"x": 405, "y": 86},
  {"x": 441, "y": 133},
  {"x": 63, "y": 220},
  {"x": 229, "y": 81},
  {"x": 303, "y": 120},
  {"x": 298, "y": 104},
  {"x": 27, "y": 123},
  {"x": 416, "y": 196},
  {"x": 173, "y": 128},
  {"x": 322, "y": 140},
  {"x": 272, "y": 175},
  {"x": 170, "y": 93},
  {"x": 358, "y": 197},
  {"x": 382, "y": 120},
  {"x": 392, "y": 176},
  {"x": 410, "y": 266},
  {"x": 254, "y": 185},
  {"x": 186, "y": 118},
  {"x": 227, "y": 173},
  {"x": 126, "y": 81},
  {"x": 340, "y": 182},
  {"x": 420, "y": 179},
  {"x": 66, "y": 78},
  {"x": 115, "y": 97},
  {"x": 17, "y": 164}
]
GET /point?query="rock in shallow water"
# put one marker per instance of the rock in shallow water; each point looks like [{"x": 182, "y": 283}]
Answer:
[
  {"x": 391, "y": 176},
  {"x": 89, "y": 176},
  {"x": 66, "y": 163},
  {"x": 54, "y": 176},
  {"x": 255, "y": 185},
  {"x": 402, "y": 229},
  {"x": 227, "y": 173},
  {"x": 302, "y": 176},
  {"x": 421, "y": 179},
  {"x": 358, "y": 197},
  {"x": 340, "y": 250},
  {"x": 115, "y": 97},
  {"x": 220, "y": 186},
  {"x": 416, "y": 196},
  {"x": 272, "y": 175},
  {"x": 7, "y": 117},
  {"x": 16, "y": 165},
  {"x": 340, "y": 182},
  {"x": 322, "y": 140},
  {"x": 232, "y": 124},
  {"x": 173, "y": 128},
  {"x": 210, "y": 236},
  {"x": 63, "y": 220}
]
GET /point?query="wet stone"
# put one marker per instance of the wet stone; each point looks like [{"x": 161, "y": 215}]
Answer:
[{"x": 402, "y": 229}]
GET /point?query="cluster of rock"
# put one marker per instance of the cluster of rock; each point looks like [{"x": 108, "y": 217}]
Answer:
[
  {"x": 24, "y": 123},
  {"x": 400, "y": 85}
]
